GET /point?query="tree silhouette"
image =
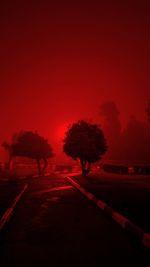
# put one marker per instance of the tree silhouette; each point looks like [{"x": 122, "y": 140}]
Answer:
[
  {"x": 136, "y": 141},
  {"x": 86, "y": 142},
  {"x": 32, "y": 145},
  {"x": 112, "y": 127}
]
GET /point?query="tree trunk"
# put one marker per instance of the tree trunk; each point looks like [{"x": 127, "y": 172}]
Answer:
[
  {"x": 45, "y": 165},
  {"x": 38, "y": 166},
  {"x": 82, "y": 166},
  {"x": 85, "y": 166},
  {"x": 88, "y": 167},
  {"x": 9, "y": 164}
]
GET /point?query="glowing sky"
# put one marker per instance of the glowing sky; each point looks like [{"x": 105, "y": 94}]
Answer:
[{"x": 61, "y": 59}]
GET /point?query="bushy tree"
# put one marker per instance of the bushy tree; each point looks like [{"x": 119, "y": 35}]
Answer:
[
  {"x": 85, "y": 141},
  {"x": 32, "y": 145}
]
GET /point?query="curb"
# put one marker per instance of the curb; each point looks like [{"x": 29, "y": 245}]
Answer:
[
  {"x": 132, "y": 228},
  {"x": 9, "y": 212},
  {"x": 37, "y": 175}
]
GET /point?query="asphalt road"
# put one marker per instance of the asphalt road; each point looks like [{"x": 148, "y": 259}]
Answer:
[
  {"x": 127, "y": 194},
  {"x": 8, "y": 191},
  {"x": 60, "y": 227}
]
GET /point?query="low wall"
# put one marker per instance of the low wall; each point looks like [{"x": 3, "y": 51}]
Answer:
[{"x": 134, "y": 169}]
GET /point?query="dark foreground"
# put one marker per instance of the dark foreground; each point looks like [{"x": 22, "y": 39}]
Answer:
[
  {"x": 127, "y": 194},
  {"x": 8, "y": 191},
  {"x": 62, "y": 228}
]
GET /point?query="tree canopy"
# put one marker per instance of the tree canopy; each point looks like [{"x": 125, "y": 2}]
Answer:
[
  {"x": 85, "y": 141},
  {"x": 32, "y": 145}
]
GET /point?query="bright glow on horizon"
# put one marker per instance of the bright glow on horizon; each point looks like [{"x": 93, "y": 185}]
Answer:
[{"x": 61, "y": 130}]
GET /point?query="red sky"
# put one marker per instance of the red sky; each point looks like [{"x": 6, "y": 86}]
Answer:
[{"x": 61, "y": 59}]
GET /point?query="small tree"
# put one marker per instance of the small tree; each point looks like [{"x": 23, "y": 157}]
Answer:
[
  {"x": 32, "y": 145},
  {"x": 86, "y": 142}
]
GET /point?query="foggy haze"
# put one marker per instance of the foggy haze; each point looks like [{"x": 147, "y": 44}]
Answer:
[{"x": 60, "y": 61}]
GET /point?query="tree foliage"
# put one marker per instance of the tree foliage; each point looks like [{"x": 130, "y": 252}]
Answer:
[
  {"x": 86, "y": 142},
  {"x": 32, "y": 145}
]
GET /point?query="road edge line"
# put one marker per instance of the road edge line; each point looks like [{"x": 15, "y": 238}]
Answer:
[
  {"x": 125, "y": 223},
  {"x": 9, "y": 212}
]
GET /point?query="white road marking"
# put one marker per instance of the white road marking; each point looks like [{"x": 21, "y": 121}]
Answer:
[
  {"x": 8, "y": 213},
  {"x": 59, "y": 188},
  {"x": 123, "y": 221},
  {"x": 120, "y": 219}
]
